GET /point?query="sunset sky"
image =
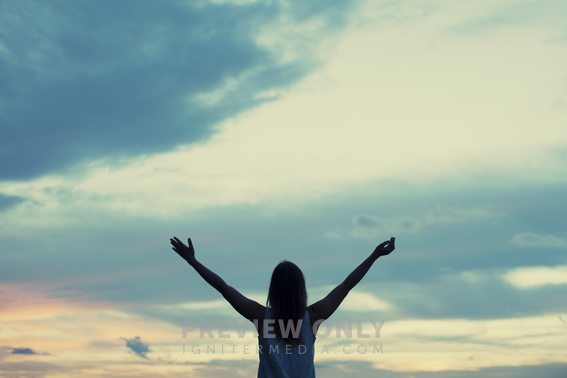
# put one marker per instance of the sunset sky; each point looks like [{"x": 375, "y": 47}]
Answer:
[{"x": 309, "y": 131}]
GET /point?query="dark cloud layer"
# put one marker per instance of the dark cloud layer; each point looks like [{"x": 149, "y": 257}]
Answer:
[
  {"x": 130, "y": 261},
  {"x": 556, "y": 370},
  {"x": 91, "y": 79},
  {"x": 362, "y": 369}
]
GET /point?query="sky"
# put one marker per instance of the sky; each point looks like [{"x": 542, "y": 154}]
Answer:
[{"x": 271, "y": 130}]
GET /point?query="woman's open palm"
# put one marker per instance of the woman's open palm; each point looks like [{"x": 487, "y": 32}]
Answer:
[{"x": 187, "y": 252}]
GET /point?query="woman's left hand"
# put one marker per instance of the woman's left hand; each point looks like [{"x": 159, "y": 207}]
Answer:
[
  {"x": 385, "y": 248},
  {"x": 187, "y": 252}
]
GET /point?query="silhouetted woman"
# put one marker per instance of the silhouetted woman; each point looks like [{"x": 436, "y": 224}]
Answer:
[{"x": 287, "y": 326}]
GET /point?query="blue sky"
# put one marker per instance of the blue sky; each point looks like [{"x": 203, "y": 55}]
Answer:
[{"x": 283, "y": 130}]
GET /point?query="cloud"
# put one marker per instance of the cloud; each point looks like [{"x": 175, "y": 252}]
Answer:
[
  {"x": 23, "y": 351},
  {"x": 42, "y": 369},
  {"x": 351, "y": 368},
  {"x": 227, "y": 368},
  {"x": 357, "y": 368},
  {"x": 363, "y": 302},
  {"x": 412, "y": 279},
  {"x": 359, "y": 87},
  {"x": 4, "y": 351},
  {"x": 137, "y": 346},
  {"x": 7, "y": 202},
  {"x": 529, "y": 240},
  {"x": 84, "y": 81},
  {"x": 507, "y": 15},
  {"x": 363, "y": 369},
  {"x": 502, "y": 371},
  {"x": 370, "y": 226},
  {"x": 537, "y": 276}
]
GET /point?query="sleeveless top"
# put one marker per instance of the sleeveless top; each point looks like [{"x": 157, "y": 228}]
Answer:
[{"x": 278, "y": 360}]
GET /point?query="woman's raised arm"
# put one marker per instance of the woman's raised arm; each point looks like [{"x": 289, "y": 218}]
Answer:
[
  {"x": 325, "y": 307},
  {"x": 246, "y": 307}
]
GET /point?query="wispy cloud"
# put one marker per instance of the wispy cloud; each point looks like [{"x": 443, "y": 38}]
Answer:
[
  {"x": 366, "y": 225},
  {"x": 530, "y": 240},
  {"x": 370, "y": 226}
]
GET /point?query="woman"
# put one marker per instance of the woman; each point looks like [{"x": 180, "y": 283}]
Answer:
[{"x": 287, "y": 326}]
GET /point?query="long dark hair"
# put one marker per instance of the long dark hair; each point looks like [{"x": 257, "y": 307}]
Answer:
[{"x": 287, "y": 298}]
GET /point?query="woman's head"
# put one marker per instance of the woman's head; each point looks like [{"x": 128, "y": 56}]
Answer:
[
  {"x": 287, "y": 288},
  {"x": 287, "y": 296}
]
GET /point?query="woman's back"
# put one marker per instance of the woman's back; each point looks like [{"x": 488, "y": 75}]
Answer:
[
  {"x": 281, "y": 357},
  {"x": 281, "y": 360}
]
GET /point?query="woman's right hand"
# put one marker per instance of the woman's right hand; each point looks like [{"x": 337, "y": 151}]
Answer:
[
  {"x": 385, "y": 248},
  {"x": 187, "y": 252}
]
